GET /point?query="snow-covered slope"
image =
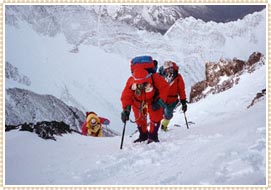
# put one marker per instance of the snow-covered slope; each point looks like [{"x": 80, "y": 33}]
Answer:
[
  {"x": 198, "y": 42},
  {"x": 93, "y": 78},
  {"x": 189, "y": 42},
  {"x": 225, "y": 146},
  {"x": 87, "y": 69},
  {"x": 89, "y": 81},
  {"x": 25, "y": 106}
]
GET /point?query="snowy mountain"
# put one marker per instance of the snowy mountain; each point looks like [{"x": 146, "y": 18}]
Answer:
[
  {"x": 26, "y": 106},
  {"x": 153, "y": 18},
  {"x": 226, "y": 145},
  {"x": 107, "y": 49},
  {"x": 159, "y": 18},
  {"x": 71, "y": 57},
  {"x": 23, "y": 106}
]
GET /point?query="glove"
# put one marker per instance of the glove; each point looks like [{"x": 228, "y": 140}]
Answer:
[
  {"x": 184, "y": 105},
  {"x": 106, "y": 122},
  {"x": 125, "y": 114}
]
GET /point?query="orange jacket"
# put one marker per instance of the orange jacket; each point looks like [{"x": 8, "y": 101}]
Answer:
[
  {"x": 177, "y": 88},
  {"x": 159, "y": 87},
  {"x": 87, "y": 129}
]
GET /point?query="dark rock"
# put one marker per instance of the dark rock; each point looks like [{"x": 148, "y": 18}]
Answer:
[
  {"x": 196, "y": 91},
  {"x": 11, "y": 127},
  {"x": 254, "y": 58},
  {"x": 44, "y": 129},
  {"x": 27, "y": 127},
  {"x": 257, "y": 97}
]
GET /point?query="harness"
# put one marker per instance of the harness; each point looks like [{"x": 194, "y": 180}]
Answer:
[
  {"x": 143, "y": 112},
  {"x": 143, "y": 108}
]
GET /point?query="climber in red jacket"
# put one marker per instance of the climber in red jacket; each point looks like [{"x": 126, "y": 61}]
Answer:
[
  {"x": 145, "y": 93},
  {"x": 176, "y": 93}
]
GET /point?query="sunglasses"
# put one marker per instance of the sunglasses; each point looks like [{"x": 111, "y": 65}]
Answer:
[{"x": 169, "y": 71}]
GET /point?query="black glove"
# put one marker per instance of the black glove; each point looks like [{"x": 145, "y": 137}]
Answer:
[
  {"x": 125, "y": 114},
  {"x": 184, "y": 105}
]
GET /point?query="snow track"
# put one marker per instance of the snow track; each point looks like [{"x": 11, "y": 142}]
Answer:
[{"x": 207, "y": 154}]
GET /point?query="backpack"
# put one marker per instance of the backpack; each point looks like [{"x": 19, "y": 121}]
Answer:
[{"x": 145, "y": 62}]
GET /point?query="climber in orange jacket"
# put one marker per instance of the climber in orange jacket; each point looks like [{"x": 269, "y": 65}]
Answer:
[
  {"x": 145, "y": 93},
  {"x": 92, "y": 126}
]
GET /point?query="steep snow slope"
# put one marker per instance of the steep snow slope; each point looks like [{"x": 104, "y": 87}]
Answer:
[
  {"x": 225, "y": 146},
  {"x": 93, "y": 78},
  {"x": 25, "y": 106},
  {"x": 90, "y": 81}
]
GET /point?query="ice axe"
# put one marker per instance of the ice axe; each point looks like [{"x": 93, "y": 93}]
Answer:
[
  {"x": 122, "y": 138},
  {"x": 186, "y": 120}
]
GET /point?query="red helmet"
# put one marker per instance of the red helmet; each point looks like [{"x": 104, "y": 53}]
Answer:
[{"x": 141, "y": 76}]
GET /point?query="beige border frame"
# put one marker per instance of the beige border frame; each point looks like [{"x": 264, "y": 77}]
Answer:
[{"x": 2, "y": 112}]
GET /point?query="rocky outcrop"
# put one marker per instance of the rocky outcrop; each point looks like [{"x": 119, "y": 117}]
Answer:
[
  {"x": 196, "y": 91},
  {"x": 257, "y": 98},
  {"x": 50, "y": 129},
  {"x": 223, "y": 75},
  {"x": 44, "y": 129}
]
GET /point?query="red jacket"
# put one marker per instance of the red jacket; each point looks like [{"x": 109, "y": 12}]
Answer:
[
  {"x": 84, "y": 128},
  {"x": 160, "y": 87},
  {"x": 177, "y": 88}
]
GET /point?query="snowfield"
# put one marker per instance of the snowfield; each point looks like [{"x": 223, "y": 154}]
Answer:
[{"x": 225, "y": 145}]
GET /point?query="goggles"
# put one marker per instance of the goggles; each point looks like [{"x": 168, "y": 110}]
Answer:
[{"x": 169, "y": 70}]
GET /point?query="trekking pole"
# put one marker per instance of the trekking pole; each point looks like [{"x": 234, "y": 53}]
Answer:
[
  {"x": 123, "y": 132},
  {"x": 186, "y": 120}
]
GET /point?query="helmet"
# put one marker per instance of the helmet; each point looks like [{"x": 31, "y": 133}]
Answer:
[{"x": 141, "y": 76}]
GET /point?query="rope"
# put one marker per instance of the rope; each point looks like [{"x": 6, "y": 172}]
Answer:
[{"x": 143, "y": 112}]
